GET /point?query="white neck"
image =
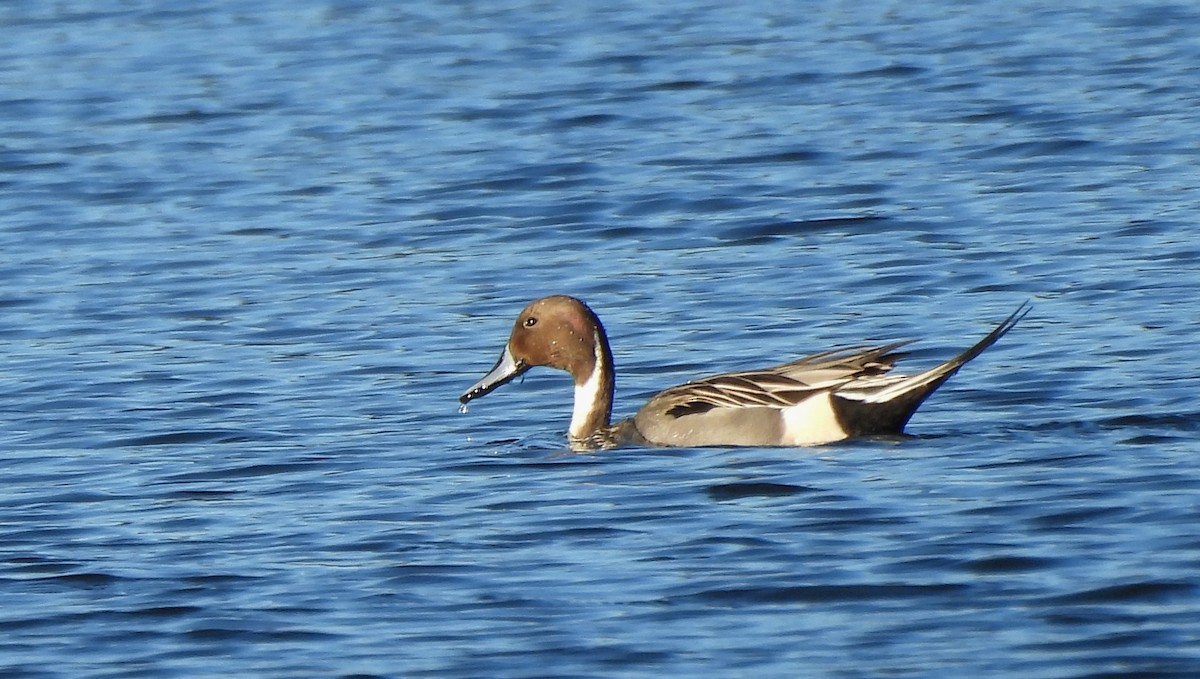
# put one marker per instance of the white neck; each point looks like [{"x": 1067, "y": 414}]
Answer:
[{"x": 587, "y": 399}]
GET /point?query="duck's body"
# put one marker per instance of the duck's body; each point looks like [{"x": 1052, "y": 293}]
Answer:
[{"x": 822, "y": 398}]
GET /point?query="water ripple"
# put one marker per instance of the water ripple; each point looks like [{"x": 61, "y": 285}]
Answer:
[{"x": 252, "y": 258}]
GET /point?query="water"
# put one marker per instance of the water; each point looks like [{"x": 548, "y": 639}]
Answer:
[{"x": 253, "y": 254}]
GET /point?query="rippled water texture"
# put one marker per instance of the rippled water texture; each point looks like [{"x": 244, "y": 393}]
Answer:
[{"x": 253, "y": 252}]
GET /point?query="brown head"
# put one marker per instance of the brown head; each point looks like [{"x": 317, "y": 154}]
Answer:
[{"x": 559, "y": 332}]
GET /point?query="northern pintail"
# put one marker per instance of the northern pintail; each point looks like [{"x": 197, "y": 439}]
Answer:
[{"x": 826, "y": 397}]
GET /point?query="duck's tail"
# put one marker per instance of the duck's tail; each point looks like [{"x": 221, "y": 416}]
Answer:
[{"x": 888, "y": 410}]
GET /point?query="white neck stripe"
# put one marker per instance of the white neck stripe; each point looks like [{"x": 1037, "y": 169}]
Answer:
[{"x": 587, "y": 396}]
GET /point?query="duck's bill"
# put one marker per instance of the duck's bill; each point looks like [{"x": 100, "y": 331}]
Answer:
[{"x": 505, "y": 370}]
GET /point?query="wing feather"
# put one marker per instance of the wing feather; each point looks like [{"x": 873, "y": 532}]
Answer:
[{"x": 861, "y": 368}]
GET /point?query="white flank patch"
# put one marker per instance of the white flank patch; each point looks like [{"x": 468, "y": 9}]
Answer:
[
  {"x": 587, "y": 399},
  {"x": 811, "y": 421}
]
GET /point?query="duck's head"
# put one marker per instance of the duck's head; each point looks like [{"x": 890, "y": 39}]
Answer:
[{"x": 558, "y": 332}]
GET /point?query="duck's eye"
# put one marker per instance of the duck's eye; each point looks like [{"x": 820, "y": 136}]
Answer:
[{"x": 530, "y": 322}]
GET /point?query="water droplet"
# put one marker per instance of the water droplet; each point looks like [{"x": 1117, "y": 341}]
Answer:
[{"x": 462, "y": 409}]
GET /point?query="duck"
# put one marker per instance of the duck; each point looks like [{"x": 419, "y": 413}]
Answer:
[{"x": 835, "y": 395}]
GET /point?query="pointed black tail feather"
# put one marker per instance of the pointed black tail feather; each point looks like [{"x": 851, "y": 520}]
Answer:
[{"x": 888, "y": 410}]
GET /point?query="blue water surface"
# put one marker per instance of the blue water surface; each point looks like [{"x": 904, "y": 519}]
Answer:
[{"x": 253, "y": 252}]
